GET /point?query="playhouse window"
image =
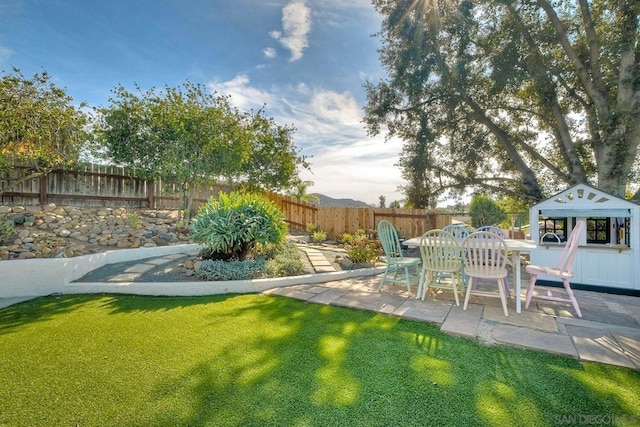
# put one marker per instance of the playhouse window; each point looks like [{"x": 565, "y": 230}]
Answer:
[
  {"x": 557, "y": 226},
  {"x": 599, "y": 230}
]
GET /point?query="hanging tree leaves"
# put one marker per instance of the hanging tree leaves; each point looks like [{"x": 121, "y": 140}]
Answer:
[
  {"x": 39, "y": 125},
  {"x": 512, "y": 97},
  {"x": 188, "y": 136}
]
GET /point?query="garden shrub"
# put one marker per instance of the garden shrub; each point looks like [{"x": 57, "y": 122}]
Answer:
[
  {"x": 285, "y": 262},
  {"x": 272, "y": 261},
  {"x": 231, "y": 226},
  {"x": 231, "y": 270},
  {"x": 319, "y": 236},
  {"x": 7, "y": 229},
  {"x": 312, "y": 228},
  {"x": 360, "y": 248}
]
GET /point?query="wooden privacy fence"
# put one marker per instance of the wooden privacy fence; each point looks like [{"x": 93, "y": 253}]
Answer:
[
  {"x": 97, "y": 185},
  {"x": 408, "y": 222},
  {"x": 111, "y": 186}
]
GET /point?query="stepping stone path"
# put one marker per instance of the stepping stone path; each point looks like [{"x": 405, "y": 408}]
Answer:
[
  {"x": 318, "y": 260},
  {"x": 133, "y": 273}
]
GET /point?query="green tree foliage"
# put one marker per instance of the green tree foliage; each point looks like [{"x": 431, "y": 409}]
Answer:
[
  {"x": 231, "y": 226},
  {"x": 514, "y": 97},
  {"x": 273, "y": 161},
  {"x": 39, "y": 125},
  {"x": 484, "y": 211},
  {"x": 188, "y": 136}
]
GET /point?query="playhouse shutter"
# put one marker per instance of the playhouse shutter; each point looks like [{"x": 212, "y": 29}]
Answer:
[{"x": 586, "y": 213}]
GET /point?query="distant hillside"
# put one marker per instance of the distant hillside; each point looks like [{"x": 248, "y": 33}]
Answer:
[{"x": 330, "y": 201}]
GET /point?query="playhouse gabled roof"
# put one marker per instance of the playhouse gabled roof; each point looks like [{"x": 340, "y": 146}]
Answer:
[{"x": 585, "y": 201}]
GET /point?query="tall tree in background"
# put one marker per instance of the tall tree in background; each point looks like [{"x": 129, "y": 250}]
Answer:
[
  {"x": 188, "y": 136},
  {"x": 514, "y": 97},
  {"x": 39, "y": 125},
  {"x": 274, "y": 161},
  {"x": 300, "y": 191}
]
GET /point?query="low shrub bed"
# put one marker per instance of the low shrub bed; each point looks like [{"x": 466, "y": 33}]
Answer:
[{"x": 275, "y": 261}]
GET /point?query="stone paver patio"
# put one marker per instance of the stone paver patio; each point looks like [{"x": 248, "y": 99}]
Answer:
[{"x": 609, "y": 331}]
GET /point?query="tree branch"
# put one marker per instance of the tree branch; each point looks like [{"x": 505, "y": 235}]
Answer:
[
  {"x": 597, "y": 93},
  {"x": 594, "y": 46},
  {"x": 562, "y": 133},
  {"x": 480, "y": 181}
]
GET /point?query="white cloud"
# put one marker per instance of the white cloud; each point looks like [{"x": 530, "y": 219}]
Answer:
[
  {"x": 296, "y": 24},
  {"x": 5, "y": 54},
  {"x": 345, "y": 161},
  {"x": 242, "y": 94},
  {"x": 336, "y": 108},
  {"x": 362, "y": 169},
  {"x": 270, "y": 52}
]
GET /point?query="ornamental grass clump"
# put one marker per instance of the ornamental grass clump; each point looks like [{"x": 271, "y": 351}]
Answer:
[
  {"x": 271, "y": 261},
  {"x": 231, "y": 227}
]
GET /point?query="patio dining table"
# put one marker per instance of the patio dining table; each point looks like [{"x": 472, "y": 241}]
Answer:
[{"x": 515, "y": 246}]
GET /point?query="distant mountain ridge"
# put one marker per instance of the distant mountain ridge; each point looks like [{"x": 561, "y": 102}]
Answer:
[{"x": 347, "y": 203}]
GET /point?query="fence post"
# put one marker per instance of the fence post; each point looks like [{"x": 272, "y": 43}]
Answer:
[
  {"x": 151, "y": 193},
  {"x": 44, "y": 183}
]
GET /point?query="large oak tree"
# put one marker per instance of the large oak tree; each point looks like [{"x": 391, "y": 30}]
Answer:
[{"x": 514, "y": 97}]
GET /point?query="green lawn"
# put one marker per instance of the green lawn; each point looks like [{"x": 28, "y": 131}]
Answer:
[{"x": 241, "y": 360}]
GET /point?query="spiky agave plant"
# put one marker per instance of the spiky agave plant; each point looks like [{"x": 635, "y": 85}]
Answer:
[{"x": 231, "y": 226}]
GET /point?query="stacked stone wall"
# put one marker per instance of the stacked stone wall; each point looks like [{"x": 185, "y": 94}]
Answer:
[{"x": 57, "y": 231}]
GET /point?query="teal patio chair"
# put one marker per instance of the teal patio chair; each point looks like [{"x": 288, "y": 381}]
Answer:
[{"x": 396, "y": 262}]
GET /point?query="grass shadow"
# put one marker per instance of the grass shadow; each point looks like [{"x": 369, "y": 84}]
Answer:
[
  {"x": 271, "y": 360},
  {"x": 40, "y": 309}
]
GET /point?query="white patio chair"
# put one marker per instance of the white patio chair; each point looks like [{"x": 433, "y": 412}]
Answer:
[
  {"x": 563, "y": 271},
  {"x": 494, "y": 229},
  {"x": 500, "y": 232},
  {"x": 441, "y": 262},
  {"x": 485, "y": 256}
]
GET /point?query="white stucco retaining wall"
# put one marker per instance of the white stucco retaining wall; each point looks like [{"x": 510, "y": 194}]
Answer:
[
  {"x": 213, "y": 288},
  {"x": 39, "y": 277}
]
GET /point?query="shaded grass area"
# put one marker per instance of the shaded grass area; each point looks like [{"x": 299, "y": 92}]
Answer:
[{"x": 242, "y": 360}]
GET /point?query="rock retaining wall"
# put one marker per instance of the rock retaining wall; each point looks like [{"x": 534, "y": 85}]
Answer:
[{"x": 56, "y": 231}]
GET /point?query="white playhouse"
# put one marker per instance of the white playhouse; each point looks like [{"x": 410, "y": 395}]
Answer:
[{"x": 608, "y": 258}]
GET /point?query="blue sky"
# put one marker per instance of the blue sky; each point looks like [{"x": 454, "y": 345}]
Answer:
[{"x": 305, "y": 59}]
